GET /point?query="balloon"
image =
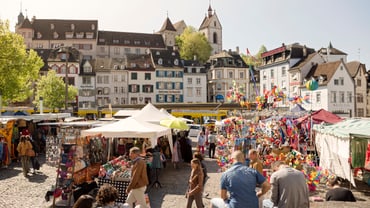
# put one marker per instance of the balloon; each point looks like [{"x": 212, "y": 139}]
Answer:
[{"x": 312, "y": 84}]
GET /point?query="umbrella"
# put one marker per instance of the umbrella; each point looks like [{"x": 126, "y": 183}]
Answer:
[{"x": 174, "y": 123}]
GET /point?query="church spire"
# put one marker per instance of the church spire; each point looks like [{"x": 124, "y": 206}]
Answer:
[{"x": 209, "y": 9}]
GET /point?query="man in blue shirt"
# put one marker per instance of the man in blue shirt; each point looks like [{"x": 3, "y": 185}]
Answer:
[{"x": 240, "y": 181}]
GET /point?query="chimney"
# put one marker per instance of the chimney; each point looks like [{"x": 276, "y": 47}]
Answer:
[
  {"x": 237, "y": 49},
  {"x": 304, "y": 51},
  {"x": 33, "y": 19},
  {"x": 195, "y": 57}
]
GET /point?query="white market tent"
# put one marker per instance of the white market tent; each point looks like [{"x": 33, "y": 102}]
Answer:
[
  {"x": 150, "y": 113},
  {"x": 126, "y": 113},
  {"x": 130, "y": 128},
  {"x": 333, "y": 144}
]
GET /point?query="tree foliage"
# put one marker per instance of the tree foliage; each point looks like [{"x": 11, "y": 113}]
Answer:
[
  {"x": 254, "y": 60},
  {"x": 19, "y": 68},
  {"x": 50, "y": 88},
  {"x": 193, "y": 44}
]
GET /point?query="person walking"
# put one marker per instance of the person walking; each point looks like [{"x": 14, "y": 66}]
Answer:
[
  {"x": 23, "y": 147},
  {"x": 201, "y": 141},
  {"x": 288, "y": 187},
  {"x": 139, "y": 180},
  {"x": 204, "y": 169},
  {"x": 212, "y": 144},
  {"x": 337, "y": 193},
  {"x": 195, "y": 190},
  {"x": 240, "y": 182}
]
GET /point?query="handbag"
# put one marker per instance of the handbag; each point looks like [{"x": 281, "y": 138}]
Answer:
[{"x": 31, "y": 153}]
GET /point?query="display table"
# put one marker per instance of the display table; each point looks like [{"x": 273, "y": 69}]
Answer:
[{"x": 121, "y": 186}]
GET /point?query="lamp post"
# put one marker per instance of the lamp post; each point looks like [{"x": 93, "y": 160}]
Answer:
[
  {"x": 66, "y": 80},
  {"x": 64, "y": 51}
]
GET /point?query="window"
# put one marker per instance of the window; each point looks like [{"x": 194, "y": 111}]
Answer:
[
  {"x": 86, "y": 80},
  {"x": 134, "y": 88},
  {"x": 116, "y": 41},
  {"x": 55, "y": 35},
  {"x": 127, "y": 50},
  {"x": 341, "y": 81},
  {"x": 134, "y": 100},
  {"x": 160, "y": 61},
  {"x": 169, "y": 73},
  {"x": 116, "y": 90},
  {"x": 359, "y": 98},
  {"x": 218, "y": 86},
  {"x": 264, "y": 75},
  {"x": 318, "y": 97},
  {"x": 360, "y": 112},
  {"x": 198, "y": 91},
  {"x": 218, "y": 74},
  {"x": 341, "y": 97},
  {"x": 106, "y": 90},
  {"x": 115, "y": 78},
  {"x": 283, "y": 85},
  {"x": 116, "y": 50},
  {"x": 169, "y": 86},
  {"x": 333, "y": 97},
  {"x": 160, "y": 73},
  {"x": 178, "y": 85},
  {"x": 272, "y": 74},
  {"x": 147, "y": 88},
  {"x": 190, "y": 80},
  {"x": 147, "y": 76},
  {"x": 214, "y": 37},
  {"x": 137, "y": 51},
  {"x": 231, "y": 75},
  {"x": 161, "y": 85},
  {"x": 283, "y": 71},
  {"x": 336, "y": 82},
  {"x": 349, "y": 97},
  {"x": 359, "y": 82},
  {"x": 122, "y": 90},
  {"x": 133, "y": 76},
  {"x": 106, "y": 79},
  {"x": 198, "y": 81},
  {"x": 89, "y": 35},
  {"x": 178, "y": 74},
  {"x": 241, "y": 75}
]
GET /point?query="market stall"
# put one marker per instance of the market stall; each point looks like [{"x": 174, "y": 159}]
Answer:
[{"x": 343, "y": 146}]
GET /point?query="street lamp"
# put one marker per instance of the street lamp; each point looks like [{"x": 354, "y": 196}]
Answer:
[{"x": 64, "y": 51}]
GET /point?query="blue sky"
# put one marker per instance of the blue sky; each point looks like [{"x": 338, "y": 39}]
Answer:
[{"x": 246, "y": 23}]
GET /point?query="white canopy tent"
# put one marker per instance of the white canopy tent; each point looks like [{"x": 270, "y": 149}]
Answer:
[
  {"x": 131, "y": 128},
  {"x": 333, "y": 144},
  {"x": 151, "y": 114}
]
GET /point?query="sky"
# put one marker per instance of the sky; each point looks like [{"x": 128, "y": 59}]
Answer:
[{"x": 246, "y": 23}]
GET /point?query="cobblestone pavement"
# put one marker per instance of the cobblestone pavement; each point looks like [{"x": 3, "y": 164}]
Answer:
[{"x": 17, "y": 191}]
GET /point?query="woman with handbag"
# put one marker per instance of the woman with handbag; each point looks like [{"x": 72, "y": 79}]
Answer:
[
  {"x": 195, "y": 185},
  {"x": 24, "y": 148}
]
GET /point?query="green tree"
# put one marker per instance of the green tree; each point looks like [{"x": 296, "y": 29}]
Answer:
[
  {"x": 19, "y": 68},
  {"x": 50, "y": 88},
  {"x": 193, "y": 44},
  {"x": 254, "y": 60}
]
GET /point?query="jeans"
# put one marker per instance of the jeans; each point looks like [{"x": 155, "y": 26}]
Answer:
[{"x": 212, "y": 149}]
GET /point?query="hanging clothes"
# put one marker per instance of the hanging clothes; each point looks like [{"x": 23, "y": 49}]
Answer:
[{"x": 358, "y": 152}]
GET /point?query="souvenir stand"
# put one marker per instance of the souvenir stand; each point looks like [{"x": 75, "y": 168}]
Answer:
[
  {"x": 128, "y": 132},
  {"x": 78, "y": 162}
]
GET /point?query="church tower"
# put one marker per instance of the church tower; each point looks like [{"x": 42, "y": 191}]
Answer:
[
  {"x": 212, "y": 29},
  {"x": 168, "y": 33}
]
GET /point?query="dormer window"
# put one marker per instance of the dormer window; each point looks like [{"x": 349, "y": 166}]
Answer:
[
  {"x": 69, "y": 34},
  {"x": 55, "y": 35},
  {"x": 52, "y": 27},
  {"x": 173, "y": 54},
  {"x": 92, "y": 26},
  {"x": 160, "y": 61},
  {"x": 80, "y": 34},
  {"x": 72, "y": 26},
  {"x": 39, "y": 36},
  {"x": 157, "y": 53},
  {"x": 176, "y": 62},
  {"x": 89, "y": 35}
]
